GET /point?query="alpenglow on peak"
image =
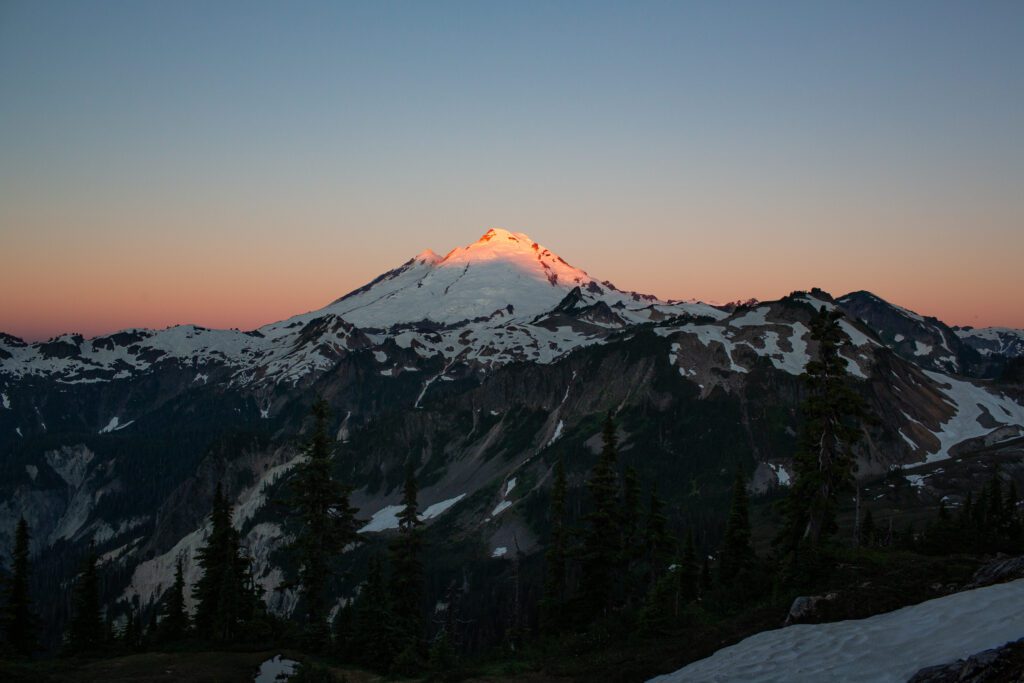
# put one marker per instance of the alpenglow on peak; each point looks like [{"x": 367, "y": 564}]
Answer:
[{"x": 503, "y": 273}]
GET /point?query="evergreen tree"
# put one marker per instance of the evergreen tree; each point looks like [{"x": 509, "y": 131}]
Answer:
[
  {"x": 1012, "y": 526},
  {"x": 375, "y": 640},
  {"x": 995, "y": 502},
  {"x": 632, "y": 537},
  {"x": 906, "y": 539},
  {"x": 131, "y": 634},
  {"x": 223, "y": 598},
  {"x": 85, "y": 635},
  {"x": 867, "y": 528},
  {"x": 174, "y": 625},
  {"x": 661, "y": 607},
  {"x": 602, "y": 545},
  {"x": 344, "y": 632},
  {"x": 18, "y": 620},
  {"x": 705, "y": 576},
  {"x": 736, "y": 554},
  {"x": 687, "y": 571},
  {"x": 556, "y": 558},
  {"x": 407, "y": 565},
  {"x": 657, "y": 540},
  {"x": 833, "y": 414},
  {"x": 328, "y": 525},
  {"x": 967, "y": 512},
  {"x": 443, "y": 657}
]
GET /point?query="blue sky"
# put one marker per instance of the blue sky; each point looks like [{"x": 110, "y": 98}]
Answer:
[{"x": 328, "y": 141}]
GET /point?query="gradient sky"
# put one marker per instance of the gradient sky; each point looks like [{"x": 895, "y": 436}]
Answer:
[{"x": 231, "y": 164}]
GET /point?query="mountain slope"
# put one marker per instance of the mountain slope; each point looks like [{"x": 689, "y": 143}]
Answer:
[{"x": 484, "y": 367}]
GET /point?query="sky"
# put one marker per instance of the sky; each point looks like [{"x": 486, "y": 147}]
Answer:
[{"x": 232, "y": 164}]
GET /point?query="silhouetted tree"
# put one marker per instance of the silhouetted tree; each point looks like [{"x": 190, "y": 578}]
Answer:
[
  {"x": 224, "y": 598},
  {"x": 602, "y": 546},
  {"x": 85, "y": 635},
  {"x": 407, "y": 564},
  {"x": 657, "y": 540},
  {"x": 375, "y": 636},
  {"x": 18, "y": 620},
  {"x": 328, "y": 524},
  {"x": 736, "y": 554},
  {"x": 867, "y": 529},
  {"x": 556, "y": 558},
  {"x": 174, "y": 625},
  {"x": 632, "y": 549},
  {"x": 833, "y": 417}
]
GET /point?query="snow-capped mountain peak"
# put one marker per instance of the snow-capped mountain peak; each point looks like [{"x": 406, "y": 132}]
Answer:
[
  {"x": 518, "y": 250},
  {"x": 502, "y": 271}
]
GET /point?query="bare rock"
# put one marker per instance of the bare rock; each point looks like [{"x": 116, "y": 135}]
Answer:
[
  {"x": 998, "y": 571},
  {"x": 805, "y": 606}
]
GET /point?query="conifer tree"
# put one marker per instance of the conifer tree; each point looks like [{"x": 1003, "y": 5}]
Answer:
[
  {"x": 705, "y": 576},
  {"x": 407, "y": 565},
  {"x": 867, "y": 527},
  {"x": 85, "y": 635},
  {"x": 657, "y": 540},
  {"x": 736, "y": 554},
  {"x": 174, "y": 625},
  {"x": 687, "y": 570},
  {"x": 906, "y": 540},
  {"x": 833, "y": 414},
  {"x": 328, "y": 525},
  {"x": 18, "y": 620},
  {"x": 223, "y": 598},
  {"x": 556, "y": 558},
  {"x": 131, "y": 634},
  {"x": 602, "y": 545},
  {"x": 995, "y": 501},
  {"x": 1012, "y": 527},
  {"x": 344, "y": 632},
  {"x": 632, "y": 537},
  {"x": 661, "y": 606},
  {"x": 375, "y": 638},
  {"x": 967, "y": 512}
]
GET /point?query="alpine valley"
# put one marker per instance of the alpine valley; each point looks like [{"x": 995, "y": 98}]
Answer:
[{"x": 483, "y": 367}]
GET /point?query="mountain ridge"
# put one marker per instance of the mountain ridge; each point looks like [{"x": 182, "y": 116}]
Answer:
[{"x": 106, "y": 439}]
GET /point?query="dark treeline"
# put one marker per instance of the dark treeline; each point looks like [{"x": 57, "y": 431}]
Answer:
[{"x": 613, "y": 565}]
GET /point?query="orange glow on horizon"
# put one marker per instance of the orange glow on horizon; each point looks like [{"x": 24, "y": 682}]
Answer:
[{"x": 263, "y": 282}]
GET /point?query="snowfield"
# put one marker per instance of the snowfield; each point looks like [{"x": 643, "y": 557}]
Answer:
[
  {"x": 972, "y": 404},
  {"x": 886, "y": 647}
]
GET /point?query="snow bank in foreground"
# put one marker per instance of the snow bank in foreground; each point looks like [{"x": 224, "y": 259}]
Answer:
[
  {"x": 275, "y": 669},
  {"x": 885, "y": 647}
]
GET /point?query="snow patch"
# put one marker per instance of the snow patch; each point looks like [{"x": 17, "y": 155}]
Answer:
[
  {"x": 387, "y": 517},
  {"x": 114, "y": 425},
  {"x": 557, "y": 434},
  {"x": 915, "y": 480},
  {"x": 781, "y": 474},
  {"x": 886, "y": 648},
  {"x": 440, "y": 508},
  {"x": 275, "y": 670},
  {"x": 970, "y": 402}
]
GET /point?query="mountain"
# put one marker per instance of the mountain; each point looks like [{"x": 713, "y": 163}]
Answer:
[
  {"x": 484, "y": 367},
  {"x": 983, "y": 353},
  {"x": 993, "y": 341}
]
